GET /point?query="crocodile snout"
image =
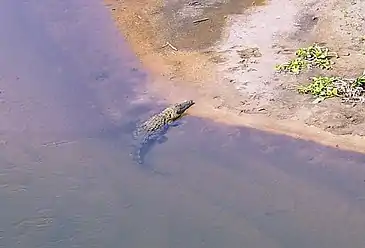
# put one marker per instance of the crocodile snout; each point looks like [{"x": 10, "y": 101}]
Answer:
[{"x": 185, "y": 105}]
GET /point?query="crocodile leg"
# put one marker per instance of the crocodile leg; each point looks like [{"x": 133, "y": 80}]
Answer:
[{"x": 176, "y": 124}]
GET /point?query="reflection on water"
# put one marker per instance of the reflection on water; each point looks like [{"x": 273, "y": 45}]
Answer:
[{"x": 67, "y": 179}]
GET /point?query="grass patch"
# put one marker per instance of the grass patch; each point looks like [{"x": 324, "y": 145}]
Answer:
[
  {"x": 350, "y": 90},
  {"x": 306, "y": 58}
]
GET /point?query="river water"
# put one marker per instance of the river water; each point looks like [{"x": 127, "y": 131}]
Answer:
[{"x": 68, "y": 87}]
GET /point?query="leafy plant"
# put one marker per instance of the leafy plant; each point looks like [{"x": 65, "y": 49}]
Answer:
[
  {"x": 317, "y": 56},
  {"x": 312, "y": 56},
  {"x": 323, "y": 87},
  {"x": 295, "y": 66},
  {"x": 350, "y": 90},
  {"x": 359, "y": 82}
]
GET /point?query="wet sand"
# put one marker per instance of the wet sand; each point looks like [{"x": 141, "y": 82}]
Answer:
[
  {"x": 208, "y": 65},
  {"x": 67, "y": 180}
]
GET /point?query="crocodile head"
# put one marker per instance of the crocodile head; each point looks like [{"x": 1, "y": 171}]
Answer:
[
  {"x": 180, "y": 108},
  {"x": 176, "y": 111}
]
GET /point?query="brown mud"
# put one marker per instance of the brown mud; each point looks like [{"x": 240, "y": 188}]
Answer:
[{"x": 223, "y": 53}]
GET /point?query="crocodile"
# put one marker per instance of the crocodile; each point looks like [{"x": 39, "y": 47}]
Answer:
[{"x": 154, "y": 129}]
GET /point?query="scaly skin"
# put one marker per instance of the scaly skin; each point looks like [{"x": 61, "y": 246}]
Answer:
[{"x": 155, "y": 127}]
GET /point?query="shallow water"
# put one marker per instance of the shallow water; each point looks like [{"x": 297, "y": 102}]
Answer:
[{"x": 68, "y": 93}]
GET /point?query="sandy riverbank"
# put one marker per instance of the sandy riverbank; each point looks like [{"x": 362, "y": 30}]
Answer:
[{"x": 227, "y": 62}]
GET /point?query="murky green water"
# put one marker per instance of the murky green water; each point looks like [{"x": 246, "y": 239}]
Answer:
[{"x": 67, "y": 179}]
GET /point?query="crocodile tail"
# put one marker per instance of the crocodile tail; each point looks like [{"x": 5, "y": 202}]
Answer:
[{"x": 137, "y": 156}]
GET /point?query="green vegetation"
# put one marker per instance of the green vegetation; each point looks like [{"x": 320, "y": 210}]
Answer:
[
  {"x": 350, "y": 90},
  {"x": 312, "y": 56},
  {"x": 359, "y": 82},
  {"x": 294, "y": 66},
  {"x": 324, "y": 87}
]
